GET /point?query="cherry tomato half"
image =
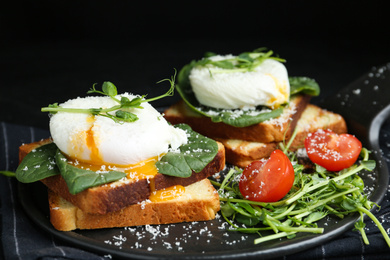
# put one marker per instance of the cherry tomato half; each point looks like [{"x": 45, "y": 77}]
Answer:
[
  {"x": 332, "y": 151},
  {"x": 267, "y": 180}
]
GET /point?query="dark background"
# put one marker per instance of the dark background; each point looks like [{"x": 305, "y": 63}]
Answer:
[{"x": 51, "y": 51}]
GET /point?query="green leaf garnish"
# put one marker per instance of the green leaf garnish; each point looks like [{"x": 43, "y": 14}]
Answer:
[
  {"x": 304, "y": 85},
  {"x": 242, "y": 118},
  {"x": 78, "y": 179},
  {"x": 109, "y": 89},
  {"x": 193, "y": 156},
  {"x": 126, "y": 116},
  {"x": 124, "y": 104},
  {"x": 47, "y": 161},
  {"x": 244, "y": 62},
  {"x": 38, "y": 164}
]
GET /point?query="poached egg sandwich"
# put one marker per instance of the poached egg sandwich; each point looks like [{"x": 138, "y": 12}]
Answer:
[
  {"x": 111, "y": 156},
  {"x": 247, "y": 99}
]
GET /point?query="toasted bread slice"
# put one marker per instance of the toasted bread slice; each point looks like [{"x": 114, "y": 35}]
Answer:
[
  {"x": 241, "y": 153},
  {"x": 274, "y": 130},
  {"x": 120, "y": 194},
  {"x": 199, "y": 202}
]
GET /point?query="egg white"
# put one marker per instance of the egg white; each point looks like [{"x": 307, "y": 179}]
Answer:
[
  {"x": 113, "y": 143},
  {"x": 267, "y": 85}
]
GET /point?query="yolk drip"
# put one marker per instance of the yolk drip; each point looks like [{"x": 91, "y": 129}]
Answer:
[
  {"x": 167, "y": 193},
  {"x": 86, "y": 140},
  {"x": 143, "y": 170},
  {"x": 281, "y": 88},
  {"x": 96, "y": 158}
]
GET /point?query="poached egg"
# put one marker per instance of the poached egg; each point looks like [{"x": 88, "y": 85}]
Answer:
[
  {"x": 98, "y": 140},
  {"x": 266, "y": 85}
]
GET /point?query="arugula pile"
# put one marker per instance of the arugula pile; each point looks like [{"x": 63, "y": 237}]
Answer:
[
  {"x": 244, "y": 62},
  {"x": 312, "y": 197}
]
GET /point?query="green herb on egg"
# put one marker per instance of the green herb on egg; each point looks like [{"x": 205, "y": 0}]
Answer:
[
  {"x": 121, "y": 110},
  {"x": 243, "y": 63}
]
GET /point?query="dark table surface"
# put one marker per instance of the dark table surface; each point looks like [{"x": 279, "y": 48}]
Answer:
[{"x": 53, "y": 51}]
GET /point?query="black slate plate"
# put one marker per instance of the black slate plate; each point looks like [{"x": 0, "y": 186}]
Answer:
[{"x": 365, "y": 104}]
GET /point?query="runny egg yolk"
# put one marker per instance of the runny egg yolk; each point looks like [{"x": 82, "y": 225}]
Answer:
[
  {"x": 139, "y": 171},
  {"x": 96, "y": 158},
  {"x": 167, "y": 193},
  {"x": 142, "y": 170},
  {"x": 282, "y": 95},
  {"x": 82, "y": 140}
]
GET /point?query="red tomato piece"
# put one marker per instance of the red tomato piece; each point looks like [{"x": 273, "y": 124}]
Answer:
[
  {"x": 332, "y": 151},
  {"x": 267, "y": 180}
]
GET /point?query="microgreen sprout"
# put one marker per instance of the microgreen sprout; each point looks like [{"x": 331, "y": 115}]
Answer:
[
  {"x": 244, "y": 62},
  {"x": 122, "y": 113},
  {"x": 7, "y": 173},
  {"x": 312, "y": 197}
]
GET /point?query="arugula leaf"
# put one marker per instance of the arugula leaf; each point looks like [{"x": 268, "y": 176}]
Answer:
[
  {"x": 236, "y": 117},
  {"x": 193, "y": 156},
  {"x": 38, "y": 164},
  {"x": 227, "y": 210},
  {"x": 369, "y": 165},
  {"x": 247, "y": 220},
  {"x": 79, "y": 179}
]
